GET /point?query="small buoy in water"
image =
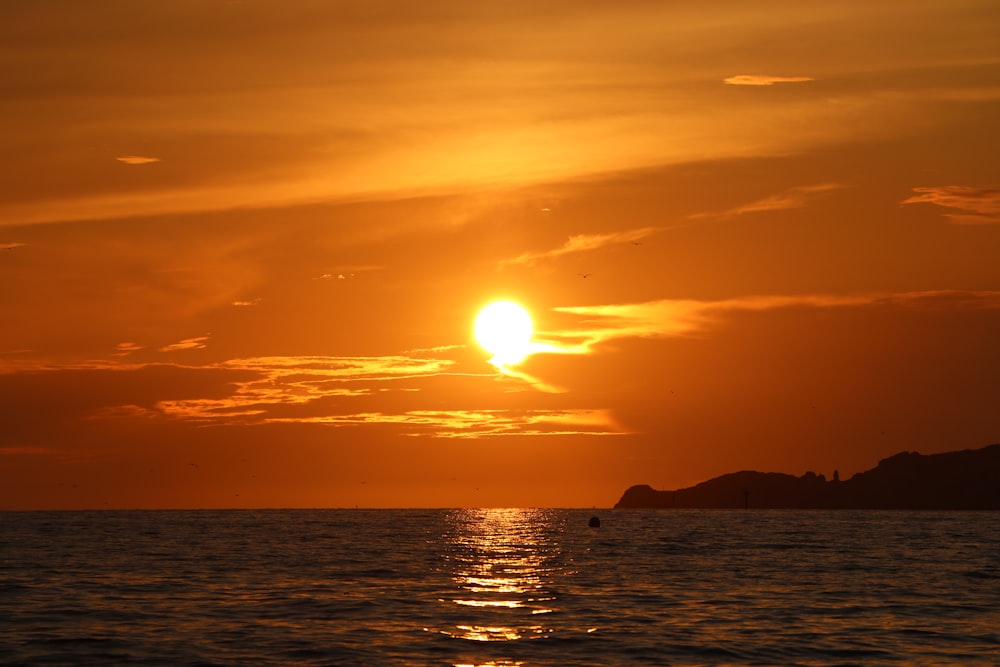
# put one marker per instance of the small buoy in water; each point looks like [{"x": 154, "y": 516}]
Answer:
[{"x": 595, "y": 522}]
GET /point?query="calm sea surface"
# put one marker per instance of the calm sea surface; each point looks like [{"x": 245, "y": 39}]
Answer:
[{"x": 499, "y": 587}]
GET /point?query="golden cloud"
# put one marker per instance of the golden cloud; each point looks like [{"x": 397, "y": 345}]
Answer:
[
  {"x": 763, "y": 80},
  {"x": 123, "y": 349},
  {"x": 197, "y": 343},
  {"x": 300, "y": 389},
  {"x": 299, "y": 381},
  {"x": 471, "y": 424},
  {"x": 796, "y": 197},
  {"x": 978, "y": 206},
  {"x": 684, "y": 317},
  {"x": 137, "y": 159},
  {"x": 582, "y": 243}
]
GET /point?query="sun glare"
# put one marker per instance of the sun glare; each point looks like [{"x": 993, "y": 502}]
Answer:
[{"x": 504, "y": 329}]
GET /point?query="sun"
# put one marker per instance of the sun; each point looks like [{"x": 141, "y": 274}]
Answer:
[{"x": 504, "y": 329}]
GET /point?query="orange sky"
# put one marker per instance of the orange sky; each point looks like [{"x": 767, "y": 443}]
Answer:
[{"x": 243, "y": 245}]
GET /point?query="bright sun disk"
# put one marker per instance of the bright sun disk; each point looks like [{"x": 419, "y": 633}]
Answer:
[{"x": 504, "y": 329}]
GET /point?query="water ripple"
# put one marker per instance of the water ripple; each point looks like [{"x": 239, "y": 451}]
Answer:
[{"x": 499, "y": 588}]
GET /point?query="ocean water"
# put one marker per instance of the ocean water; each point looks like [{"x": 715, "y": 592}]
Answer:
[{"x": 499, "y": 587}]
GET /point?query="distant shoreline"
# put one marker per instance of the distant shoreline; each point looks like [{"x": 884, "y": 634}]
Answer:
[{"x": 960, "y": 480}]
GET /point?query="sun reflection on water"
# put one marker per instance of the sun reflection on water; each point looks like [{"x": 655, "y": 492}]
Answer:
[{"x": 503, "y": 564}]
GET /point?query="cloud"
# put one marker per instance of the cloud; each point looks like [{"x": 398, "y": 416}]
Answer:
[
  {"x": 423, "y": 393},
  {"x": 11, "y": 246},
  {"x": 471, "y": 424},
  {"x": 592, "y": 98},
  {"x": 683, "y": 317},
  {"x": 978, "y": 206},
  {"x": 512, "y": 370},
  {"x": 245, "y": 391},
  {"x": 334, "y": 391},
  {"x": 197, "y": 343},
  {"x": 436, "y": 348},
  {"x": 348, "y": 272},
  {"x": 796, "y": 197},
  {"x": 763, "y": 80},
  {"x": 122, "y": 349},
  {"x": 137, "y": 159},
  {"x": 278, "y": 383},
  {"x": 84, "y": 392},
  {"x": 353, "y": 368},
  {"x": 582, "y": 243}
]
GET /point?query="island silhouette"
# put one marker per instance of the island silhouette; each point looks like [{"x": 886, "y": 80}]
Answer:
[{"x": 959, "y": 480}]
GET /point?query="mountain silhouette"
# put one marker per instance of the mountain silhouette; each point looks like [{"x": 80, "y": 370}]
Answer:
[{"x": 960, "y": 480}]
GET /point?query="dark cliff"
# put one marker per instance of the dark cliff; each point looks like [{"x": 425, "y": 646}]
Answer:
[{"x": 968, "y": 479}]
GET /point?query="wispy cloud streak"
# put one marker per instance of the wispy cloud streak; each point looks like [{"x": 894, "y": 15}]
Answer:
[
  {"x": 796, "y": 197},
  {"x": 197, "y": 343},
  {"x": 763, "y": 79},
  {"x": 325, "y": 390},
  {"x": 581, "y": 243},
  {"x": 137, "y": 159},
  {"x": 280, "y": 382},
  {"x": 128, "y": 347},
  {"x": 471, "y": 424},
  {"x": 680, "y": 317},
  {"x": 978, "y": 206}
]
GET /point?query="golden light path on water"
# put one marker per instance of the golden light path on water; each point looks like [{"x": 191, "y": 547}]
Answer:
[{"x": 504, "y": 564}]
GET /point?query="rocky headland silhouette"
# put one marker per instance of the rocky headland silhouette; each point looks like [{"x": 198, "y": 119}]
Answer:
[{"x": 960, "y": 480}]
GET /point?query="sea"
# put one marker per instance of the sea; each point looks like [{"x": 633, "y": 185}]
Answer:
[{"x": 499, "y": 587}]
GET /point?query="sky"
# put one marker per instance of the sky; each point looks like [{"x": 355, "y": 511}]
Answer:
[{"x": 243, "y": 245}]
